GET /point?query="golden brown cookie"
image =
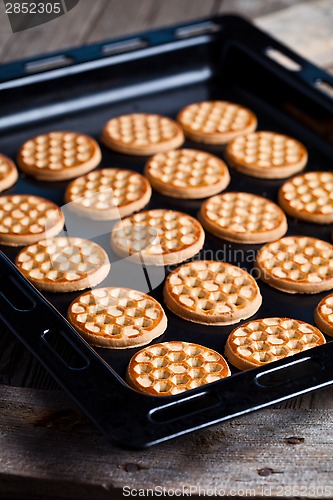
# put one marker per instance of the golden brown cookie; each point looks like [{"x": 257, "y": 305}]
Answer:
[
  {"x": 26, "y": 219},
  {"x": 212, "y": 293},
  {"x": 108, "y": 194},
  {"x": 117, "y": 318},
  {"x": 309, "y": 197},
  {"x": 142, "y": 134},
  {"x": 262, "y": 341},
  {"x": 187, "y": 173},
  {"x": 59, "y": 156},
  {"x": 216, "y": 122},
  {"x": 267, "y": 155},
  {"x": 323, "y": 315},
  {"x": 64, "y": 264},
  {"x": 158, "y": 237},
  {"x": 297, "y": 264},
  {"x": 243, "y": 218},
  {"x": 8, "y": 173},
  {"x": 173, "y": 367}
]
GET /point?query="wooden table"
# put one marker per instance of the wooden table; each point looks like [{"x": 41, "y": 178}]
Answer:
[{"x": 48, "y": 448}]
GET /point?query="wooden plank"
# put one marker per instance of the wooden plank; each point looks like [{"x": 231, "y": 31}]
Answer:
[
  {"x": 255, "y": 8},
  {"x": 45, "y": 440},
  {"x": 122, "y": 17},
  {"x": 61, "y": 33},
  {"x": 307, "y": 28},
  {"x": 102, "y": 19}
]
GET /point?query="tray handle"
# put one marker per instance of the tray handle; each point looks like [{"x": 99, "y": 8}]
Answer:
[
  {"x": 246, "y": 392},
  {"x": 47, "y": 334},
  {"x": 275, "y": 53}
]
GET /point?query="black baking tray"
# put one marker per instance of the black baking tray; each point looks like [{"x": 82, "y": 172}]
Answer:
[{"x": 160, "y": 72}]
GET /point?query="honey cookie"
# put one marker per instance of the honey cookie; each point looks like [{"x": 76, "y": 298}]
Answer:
[
  {"x": 8, "y": 173},
  {"x": 117, "y": 318},
  {"x": 323, "y": 315},
  {"x": 309, "y": 197},
  {"x": 263, "y": 341},
  {"x": 170, "y": 368},
  {"x": 187, "y": 173},
  {"x": 142, "y": 134},
  {"x": 108, "y": 194},
  {"x": 64, "y": 264},
  {"x": 158, "y": 237},
  {"x": 59, "y": 156},
  {"x": 297, "y": 264},
  {"x": 267, "y": 155},
  {"x": 26, "y": 219},
  {"x": 243, "y": 218},
  {"x": 212, "y": 293},
  {"x": 216, "y": 122}
]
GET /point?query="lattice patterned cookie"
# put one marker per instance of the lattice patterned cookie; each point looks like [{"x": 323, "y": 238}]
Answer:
[
  {"x": 323, "y": 315},
  {"x": 64, "y": 264},
  {"x": 142, "y": 134},
  {"x": 243, "y": 218},
  {"x": 309, "y": 197},
  {"x": 8, "y": 173},
  {"x": 259, "y": 342},
  {"x": 267, "y": 155},
  {"x": 212, "y": 293},
  {"x": 26, "y": 219},
  {"x": 108, "y": 194},
  {"x": 170, "y": 368},
  {"x": 59, "y": 156},
  {"x": 158, "y": 237},
  {"x": 216, "y": 122},
  {"x": 187, "y": 173},
  {"x": 117, "y": 318},
  {"x": 297, "y": 264}
]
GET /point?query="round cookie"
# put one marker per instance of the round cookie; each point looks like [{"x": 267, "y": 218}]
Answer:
[
  {"x": 26, "y": 219},
  {"x": 243, "y": 218},
  {"x": 108, "y": 194},
  {"x": 170, "y": 368},
  {"x": 58, "y": 156},
  {"x": 323, "y": 315},
  {"x": 267, "y": 155},
  {"x": 212, "y": 293},
  {"x": 263, "y": 341},
  {"x": 309, "y": 197},
  {"x": 297, "y": 264},
  {"x": 117, "y": 318},
  {"x": 158, "y": 237},
  {"x": 64, "y": 264},
  {"x": 216, "y": 122},
  {"x": 142, "y": 134},
  {"x": 8, "y": 173},
  {"x": 187, "y": 173}
]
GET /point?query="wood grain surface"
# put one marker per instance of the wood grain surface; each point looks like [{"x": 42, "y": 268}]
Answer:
[
  {"x": 98, "y": 20},
  {"x": 307, "y": 28},
  {"x": 48, "y": 449}
]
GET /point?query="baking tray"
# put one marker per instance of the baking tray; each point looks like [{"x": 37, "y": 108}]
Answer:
[{"x": 160, "y": 72}]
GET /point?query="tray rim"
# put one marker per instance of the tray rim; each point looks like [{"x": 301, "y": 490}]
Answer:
[{"x": 154, "y": 432}]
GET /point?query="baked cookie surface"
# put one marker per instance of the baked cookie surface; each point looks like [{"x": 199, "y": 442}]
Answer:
[
  {"x": 142, "y": 134},
  {"x": 117, "y": 318},
  {"x": 170, "y": 368},
  {"x": 212, "y": 293}
]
